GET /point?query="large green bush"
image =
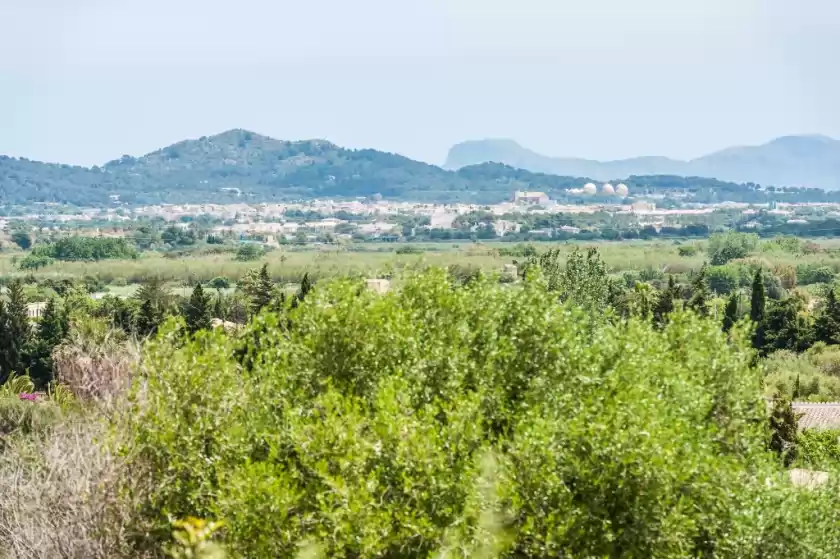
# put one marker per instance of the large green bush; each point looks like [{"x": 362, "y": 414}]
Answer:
[{"x": 440, "y": 420}]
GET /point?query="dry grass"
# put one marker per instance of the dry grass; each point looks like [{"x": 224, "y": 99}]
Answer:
[
  {"x": 96, "y": 363},
  {"x": 58, "y": 497}
]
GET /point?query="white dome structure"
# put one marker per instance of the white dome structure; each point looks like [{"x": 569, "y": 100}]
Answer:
[
  {"x": 622, "y": 190},
  {"x": 590, "y": 189},
  {"x": 608, "y": 189}
]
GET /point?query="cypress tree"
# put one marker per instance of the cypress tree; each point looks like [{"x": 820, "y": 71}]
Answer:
[
  {"x": 54, "y": 324},
  {"x": 730, "y": 313},
  {"x": 700, "y": 294},
  {"x": 198, "y": 313},
  {"x": 52, "y": 329},
  {"x": 758, "y": 300},
  {"x": 783, "y": 428},
  {"x": 219, "y": 307},
  {"x": 665, "y": 302},
  {"x": 758, "y": 303},
  {"x": 827, "y": 323},
  {"x": 150, "y": 318},
  {"x": 263, "y": 290},
  {"x": 305, "y": 287},
  {"x": 16, "y": 332}
]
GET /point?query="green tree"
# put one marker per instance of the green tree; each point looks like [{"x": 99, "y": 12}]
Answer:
[
  {"x": 22, "y": 239},
  {"x": 220, "y": 306},
  {"x": 150, "y": 317},
  {"x": 786, "y": 327},
  {"x": 665, "y": 302},
  {"x": 305, "y": 287},
  {"x": 16, "y": 332},
  {"x": 53, "y": 327},
  {"x": 730, "y": 313},
  {"x": 758, "y": 305},
  {"x": 827, "y": 323},
  {"x": 700, "y": 295},
  {"x": 397, "y": 426},
  {"x": 758, "y": 298},
  {"x": 724, "y": 247},
  {"x": 249, "y": 252},
  {"x": 783, "y": 430},
  {"x": 199, "y": 312}
]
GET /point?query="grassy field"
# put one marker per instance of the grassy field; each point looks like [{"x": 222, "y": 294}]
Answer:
[{"x": 287, "y": 265}]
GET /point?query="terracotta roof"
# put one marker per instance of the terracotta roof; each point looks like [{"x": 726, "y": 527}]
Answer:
[{"x": 818, "y": 416}]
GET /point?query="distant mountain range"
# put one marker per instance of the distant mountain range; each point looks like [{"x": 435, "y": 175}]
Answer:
[
  {"x": 812, "y": 161},
  {"x": 239, "y": 165}
]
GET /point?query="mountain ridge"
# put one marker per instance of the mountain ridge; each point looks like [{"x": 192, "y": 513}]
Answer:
[
  {"x": 809, "y": 160},
  {"x": 240, "y": 165}
]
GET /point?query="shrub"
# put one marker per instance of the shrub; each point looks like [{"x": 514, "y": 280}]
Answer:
[
  {"x": 724, "y": 247},
  {"x": 808, "y": 274},
  {"x": 395, "y": 425},
  {"x": 408, "y": 249},
  {"x": 219, "y": 282},
  {"x": 687, "y": 250},
  {"x": 723, "y": 279},
  {"x": 248, "y": 252}
]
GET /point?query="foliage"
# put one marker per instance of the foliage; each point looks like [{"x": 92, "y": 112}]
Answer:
[
  {"x": 786, "y": 326},
  {"x": 199, "y": 313},
  {"x": 700, "y": 295},
  {"x": 85, "y": 248},
  {"x": 724, "y": 247},
  {"x": 583, "y": 279},
  {"x": 809, "y": 376},
  {"x": 192, "y": 540},
  {"x": 730, "y": 313},
  {"x": 219, "y": 282},
  {"x": 818, "y": 449},
  {"x": 723, "y": 280},
  {"x": 807, "y": 274},
  {"x": 258, "y": 288},
  {"x": 22, "y": 239},
  {"x": 248, "y": 252},
  {"x": 827, "y": 322},
  {"x": 758, "y": 305},
  {"x": 366, "y": 426},
  {"x": 783, "y": 430},
  {"x": 665, "y": 302},
  {"x": 15, "y": 332},
  {"x": 687, "y": 250}
]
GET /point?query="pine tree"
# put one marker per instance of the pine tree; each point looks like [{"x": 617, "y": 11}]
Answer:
[
  {"x": 305, "y": 287},
  {"x": 54, "y": 324},
  {"x": 52, "y": 329},
  {"x": 665, "y": 302},
  {"x": 758, "y": 300},
  {"x": 219, "y": 307},
  {"x": 758, "y": 304},
  {"x": 783, "y": 428},
  {"x": 700, "y": 294},
  {"x": 16, "y": 332},
  {"x": 730, "y": 314},
  {"x": 198, "y": 315},
  {"x": 150, "y": 318},
  {"x": 827, "y": 323},
  {"x": 263, "y": 290}
]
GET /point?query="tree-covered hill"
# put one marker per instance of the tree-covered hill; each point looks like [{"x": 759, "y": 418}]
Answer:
[{"x": 239, "y": 165}]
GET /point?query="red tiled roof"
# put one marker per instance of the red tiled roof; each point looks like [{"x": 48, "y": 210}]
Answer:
[{"x": 818, "y": 416}]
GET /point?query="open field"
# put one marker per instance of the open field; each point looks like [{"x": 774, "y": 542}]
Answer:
[{"x": 289, "y": 265}]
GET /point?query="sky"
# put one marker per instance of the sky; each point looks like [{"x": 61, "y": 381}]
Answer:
[{"x": 85, "y": 81}]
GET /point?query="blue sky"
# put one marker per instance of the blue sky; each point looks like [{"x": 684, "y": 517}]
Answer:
[{"x": 85, "y": 81}]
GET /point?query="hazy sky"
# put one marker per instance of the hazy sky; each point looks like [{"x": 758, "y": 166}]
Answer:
[{"x": 85, "y": 81}]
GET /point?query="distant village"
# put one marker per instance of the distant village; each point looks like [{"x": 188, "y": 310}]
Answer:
[{"x": 526, "y": 213}]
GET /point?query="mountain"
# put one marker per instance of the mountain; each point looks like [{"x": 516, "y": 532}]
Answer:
[
  {"x": 239, "y": 165},
  {"x": 812, "y": 161}
]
